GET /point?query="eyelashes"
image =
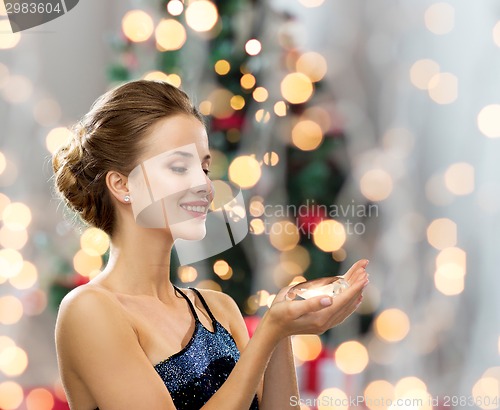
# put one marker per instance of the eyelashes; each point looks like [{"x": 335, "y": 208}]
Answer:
[{"x": 183, "y": 170}]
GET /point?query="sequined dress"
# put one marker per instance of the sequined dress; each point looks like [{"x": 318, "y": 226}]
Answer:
[{"x": 196, "y": 372}]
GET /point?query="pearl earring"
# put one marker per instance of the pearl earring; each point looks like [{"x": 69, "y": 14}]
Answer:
[{"x": 126, "y": 198}]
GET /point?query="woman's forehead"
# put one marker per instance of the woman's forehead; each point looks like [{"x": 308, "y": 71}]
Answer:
[{"x": 172, "y": 133}]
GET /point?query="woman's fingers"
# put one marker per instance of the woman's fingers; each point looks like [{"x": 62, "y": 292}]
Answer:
[{"x": 357, "y": 268}]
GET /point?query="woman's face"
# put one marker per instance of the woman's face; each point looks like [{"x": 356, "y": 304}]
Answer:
[{"x": 170, "y": 188}]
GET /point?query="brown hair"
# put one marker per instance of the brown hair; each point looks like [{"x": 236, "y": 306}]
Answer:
[{"x": 111, "y": 137}]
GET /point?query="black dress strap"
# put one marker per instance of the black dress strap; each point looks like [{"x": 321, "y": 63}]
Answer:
[
  {"x": 204, "y": 304},
  {"x": 193, "y": 311}
]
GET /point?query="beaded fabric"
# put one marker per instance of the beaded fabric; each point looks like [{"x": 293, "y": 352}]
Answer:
[{"x": 196, "y": 372}]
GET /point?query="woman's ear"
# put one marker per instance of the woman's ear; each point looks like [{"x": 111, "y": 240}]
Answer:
[{"x": 118, "y": 186}]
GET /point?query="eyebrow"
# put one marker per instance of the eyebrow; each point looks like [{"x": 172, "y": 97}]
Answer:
[{"x": 188, "y": 155}]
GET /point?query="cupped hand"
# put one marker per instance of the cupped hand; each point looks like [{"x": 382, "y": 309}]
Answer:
[{"x": 317, "y": 315}]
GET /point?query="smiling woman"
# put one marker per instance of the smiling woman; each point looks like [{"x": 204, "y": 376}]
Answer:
[{"x": 137, "y": 168}]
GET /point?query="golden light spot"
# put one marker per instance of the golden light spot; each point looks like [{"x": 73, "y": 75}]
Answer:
[
  {"x": 306, "y": 347},
  {"x": 284, "y": 235},
  {"x": 187, "y": 274},
  {"x": 47, "y": 112},
  {"x": 451, "y": 255},
  {"x": 85, "y": 264},
  {"x": 407, "y": 384},
  {"x": 222, "y": 67},
  {"x": 13, "y": 239},
  {"x": 378, "y": 393},
  {"x": 271, "y": 158},
  {"x": 488, "y": 121},
  {"x": 392, "y": 325},
  {"x": 11, "y": 395},
  {"x": 245, "y": 171},
  {"x": 209, "y": 284},
  {"x": 486, "y": 392},
  {"x": 339, "y": 255},
  {"x": 11, "y": 310},
  {"x": 313, "y": 65},
  {"x": 256, "y": 208},
  {"x": 156, "y": 75},
  {"x": 39, "y": 399},
  {"x": 11, "y": 262},
  {"x": 422, "y": 71},
  {"x": 205, "y": 107},
  {"x": 13, "y": 361},
  {"x": 95, "y": 241},
  {"x": 7, "y": 38},
  {"x": 307, "y": 135},
  {"x": 351, "y": 357},
  {"x": 459, "y": 178},
  {"x": 376, "y": 184},
  {"x": 221, "y": 267},
  {"x": 329, "y": 235},
  {"x": 175, "y": 7},
  {"x": 262, "y": 116},
  {"x": 3, "y": 163},
  {"x": 3, "y": 11},
  {"x": 443, "y": 88},
  {"x": 253, "y": 47},
  {"x": 449, "y": 279},
  {"x": 440, "y": 18},
  {"x": 333, "y": 398},
  {"x": 260, "y": 94},
  {"x": 296, "y": 88},
  {"x": 137, "y": 25},
  {"x": 175, "y": 80},
  {"x": 57, "y": 137},
  {"x": 201, "y": 15},
  {"x": 170, "y": 35},
  {"x": 18, "y": 89},
  {"x": 442, "y": 233},
  {"x": 280, "y": 109},
  {"x": 247, "y": 81},
  {"x": 26, "y": 277},
  {"x": 237, "y": 102},
  {"x": 311, "y": 3},
  {"x": 257, "y": 226},
  {"x": 221, "y": 103}
]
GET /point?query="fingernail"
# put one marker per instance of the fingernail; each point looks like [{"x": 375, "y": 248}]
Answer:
[
  {"x": 326, "y": 301},
  {"x": 367, "y": 262}
]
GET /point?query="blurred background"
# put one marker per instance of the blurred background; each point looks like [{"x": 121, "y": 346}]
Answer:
[{"x": 356, "y": 129}]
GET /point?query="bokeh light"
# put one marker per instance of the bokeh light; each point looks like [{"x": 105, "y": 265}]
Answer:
[
  {"x": 449, "y": 279},
  {"x": 86, "y": 264},
  {"x": 94, "y": 241},
  {"x": 26, "y": 277},
  {"x": 245, "y": 171},
  {"x": 306, "y": 347},
  {"x": 156, "y": 75},
  {"x": 284, "y": 235},
  {"x": 220, "y": 100},
  {"x": 443, "y": 88},
  {"x": 222, "y": 67},
  {"x": 351, "y": 357},
  {"x": 313, "y": 65},
  {"x": 257, "y": 226},
  {"x": 40, "y": 399},
  {"x": 329, "y": 235},
  {"x": 7, "y": 38},
  {"x": 11, "y": 395},
  {"x": 170, "y": 35},
  {"x": 442, "y": 233},
  {"x": 13, "y": 361},
  {"x": 16, "y": 216},
  {"x": 459, "y": 178},
  {"x": 201, "y": 15},
  {"x": 47, "y": 112},
  {"x": 378, "y": 393},
  {"x": 392, "y": 325},
  {"x": 296, "y": 88},
  {"x": 376, "y": 184},
  {"x": 247, "y": 81},
  {"x": 260, "y": 94},
  {"x": 271, "y": 158},
  {"x": 237, "y": 102},
  {"x": 333, "y": 398},
  {"x": 253, "y": 47},
  {"x": 307, "y": 135},
  {"x": 187, "y": 274},
  {"x": 422, "y": 71},
  {"x": 440, "y": 18},
  {"x": 280, "y": 108},
  {"x": 11, "y": 310},
  {"x": 13, "y": 239},
  {"x": 175, "y": 7},
  {"x": 11, "y": 262},
  {"x": 137, "y": 25},
  {"x": 18, "y": 89},
  {"x": 488, "y": 121},
  {"x": 57, "y": 137}
]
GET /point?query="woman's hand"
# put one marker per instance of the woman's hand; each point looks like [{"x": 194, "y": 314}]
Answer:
[{"x": 316, "y": 315}]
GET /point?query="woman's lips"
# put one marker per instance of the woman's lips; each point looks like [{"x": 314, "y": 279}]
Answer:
[{"x": 196, "y": 209}]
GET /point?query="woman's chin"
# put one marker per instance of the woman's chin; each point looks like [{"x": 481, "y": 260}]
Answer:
[{"x": 188, "y": 232}]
